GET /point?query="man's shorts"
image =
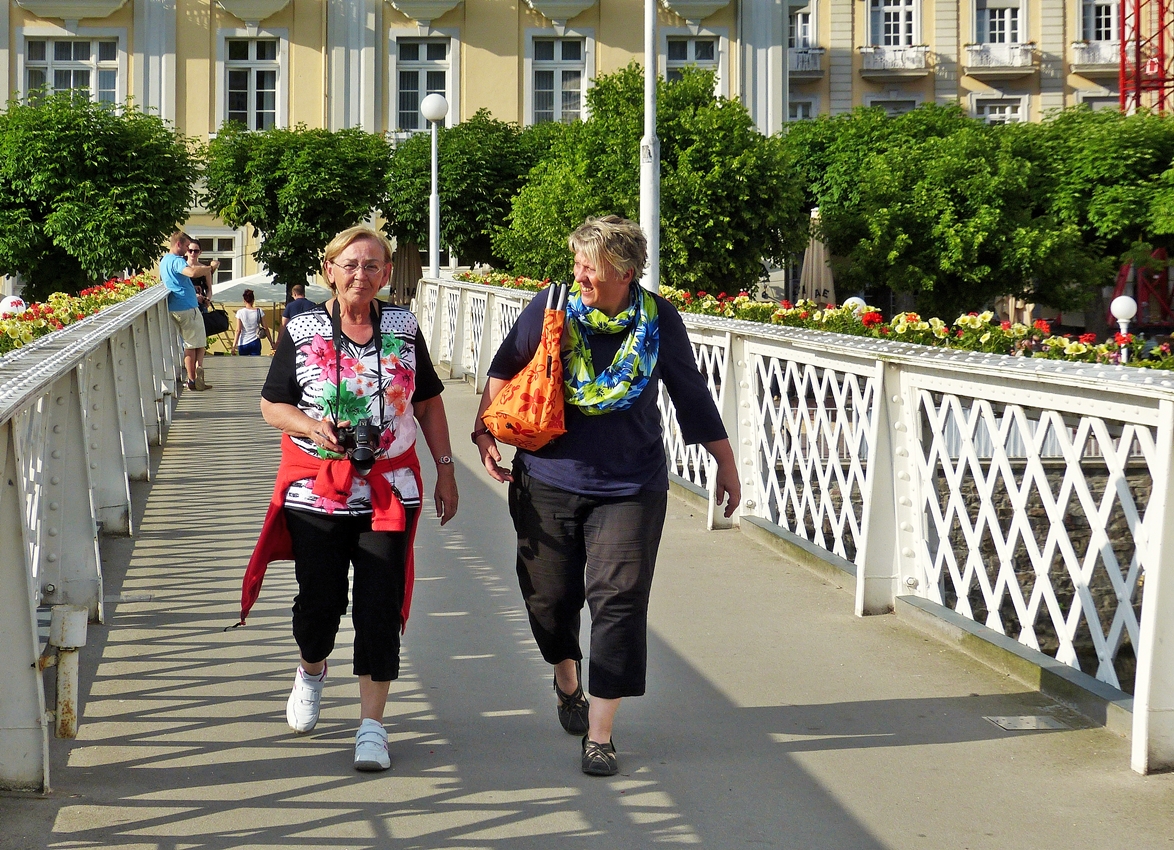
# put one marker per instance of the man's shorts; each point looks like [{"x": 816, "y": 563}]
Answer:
[{"x": 191, "y": 327}]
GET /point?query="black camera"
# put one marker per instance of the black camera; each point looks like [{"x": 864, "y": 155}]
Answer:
[{"x": 359, "y": 442}]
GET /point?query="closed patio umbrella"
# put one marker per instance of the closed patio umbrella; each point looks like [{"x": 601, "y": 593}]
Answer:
[{"x": 815, "y": 278}]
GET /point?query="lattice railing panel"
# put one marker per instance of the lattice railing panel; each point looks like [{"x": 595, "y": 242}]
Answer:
[
  {"x": 691, "y": 461},
  {"x": 507, "y": 314},
  {"x": 427, "y": 314},
  {"x": 475, "y": 328},
  {"x": 452, "y": 306},
  {"x": 813, "y": 427},
  {"x": 1036, "y": 525}
]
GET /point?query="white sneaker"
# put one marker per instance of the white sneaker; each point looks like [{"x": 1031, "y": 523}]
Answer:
[
  {"x": 371, "y": 746},
  {"x": 301, "y": 711}
]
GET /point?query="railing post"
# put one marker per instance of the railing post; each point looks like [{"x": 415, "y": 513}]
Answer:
[
  {"x": 132, "y": 406},
  {"x": 488, "y": 348},
  {"x": 459, "y": 347},
  {"x": 908, "y": 522},
  {"x": 24, "y": 736},
  {"x": 164, "y": 388},
  {"x": 436, "y": 332},
  {"x": 150, "y": 389},
  {"x": 1153, "y": 693},
  {"x": 67, "y": 525},
  {"x": 736, "y": 390},
  {"x": 102, "y": 441},
  {"x": 877, "y": 568}
]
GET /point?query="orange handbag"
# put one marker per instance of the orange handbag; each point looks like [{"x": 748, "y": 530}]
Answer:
[{"x": 528, "y": 412}]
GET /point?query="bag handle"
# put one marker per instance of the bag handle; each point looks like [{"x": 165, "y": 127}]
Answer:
[{"x": 562, "y": 296}]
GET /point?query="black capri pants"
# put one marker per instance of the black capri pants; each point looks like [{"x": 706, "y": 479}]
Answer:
[
  {"x": 324, "y": 548},
  {"x": 601, "y": 550}
]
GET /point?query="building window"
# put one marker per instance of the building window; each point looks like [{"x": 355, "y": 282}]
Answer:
[
  {"x": 252, "y": 72},
  {"x": 222, "y": 248},
  {"x": 801, "y": 110},
  {"x": 997, "y": 22},
  {"x": 894, "y": 106},
  {"x": 1100, "y": 21},
  {"x": 799, "y": 29},
  {"x": 683, "y": 52},
  {"x": 68, "y": 64},
  {"x": 422, "y": 68},
  {"x": 1097, "y": 102},
  {"x": 1000, "y": 111},
  {"x": 558, "y": 76},
  {"x": 892, "y": 22}
]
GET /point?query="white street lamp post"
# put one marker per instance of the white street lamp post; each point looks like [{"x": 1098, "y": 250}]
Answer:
[
  {"x": 434, "y": 107},
  {"x": 650, "y": 154},
  {"x": 1123, "y": 309}
]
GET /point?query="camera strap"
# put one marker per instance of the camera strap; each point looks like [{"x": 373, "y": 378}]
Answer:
[{"x": 377, "y": 337}]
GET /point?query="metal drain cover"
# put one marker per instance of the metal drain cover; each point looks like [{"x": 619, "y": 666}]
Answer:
[{"x": 1027, "y": 722}]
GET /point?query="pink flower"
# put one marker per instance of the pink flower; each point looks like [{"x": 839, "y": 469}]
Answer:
[{"x": 320, "y": 353}]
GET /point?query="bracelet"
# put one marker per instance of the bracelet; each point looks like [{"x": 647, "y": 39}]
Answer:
[{"x": 478, "y": 432}]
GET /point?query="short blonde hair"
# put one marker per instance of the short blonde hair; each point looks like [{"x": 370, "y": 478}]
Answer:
[
  {"x": 348, "y": 237},
  {"x": 611, "y": 241}
]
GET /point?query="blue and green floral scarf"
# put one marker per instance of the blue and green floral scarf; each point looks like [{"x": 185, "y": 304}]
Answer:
[{"x": 621, "y": 383}]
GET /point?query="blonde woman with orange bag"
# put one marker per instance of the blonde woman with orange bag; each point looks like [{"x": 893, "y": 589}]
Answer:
[{"x": 588, "y": 507}]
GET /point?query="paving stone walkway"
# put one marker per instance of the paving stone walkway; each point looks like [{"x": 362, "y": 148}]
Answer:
[{"x": 774, "y": 718}]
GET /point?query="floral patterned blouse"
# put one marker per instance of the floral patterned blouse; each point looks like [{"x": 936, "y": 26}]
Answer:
[{"x": 304, "y": 372}]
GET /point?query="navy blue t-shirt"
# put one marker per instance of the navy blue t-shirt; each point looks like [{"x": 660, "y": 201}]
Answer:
[
  {"x": 622, "y": 452},
  {"x": 297, "y": 307}
]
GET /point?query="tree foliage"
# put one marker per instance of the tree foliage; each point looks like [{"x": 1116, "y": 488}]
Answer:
[
  {"x": 482, "y": 164},
  {"x": 729, "y": 196},
  {"x": 958, "y": 220},
  {"x": 86, "y": 191},
  {"x": 957, "y": 212},
  {"x": 297, "y": 188},
  {"x": 1107, "y": 175}
]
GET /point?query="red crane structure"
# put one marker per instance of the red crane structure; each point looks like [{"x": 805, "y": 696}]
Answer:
[{"x": 1146, "y": 78}]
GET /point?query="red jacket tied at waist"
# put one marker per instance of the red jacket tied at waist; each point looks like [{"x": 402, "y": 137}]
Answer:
[{"x": 332, "y": 480}]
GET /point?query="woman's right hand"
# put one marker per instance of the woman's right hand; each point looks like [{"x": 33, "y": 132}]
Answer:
[
  {"x": 491, "y": 458},
  {"x": 321, "y": 433}
]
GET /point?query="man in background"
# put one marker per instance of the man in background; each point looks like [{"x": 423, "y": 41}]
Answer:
[
  {"x": 300, "y": 304},
  {"x": 184, "y": 307}
]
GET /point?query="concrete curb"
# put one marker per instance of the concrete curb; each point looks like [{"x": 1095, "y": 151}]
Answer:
[{"x": 1097, "y": 701}]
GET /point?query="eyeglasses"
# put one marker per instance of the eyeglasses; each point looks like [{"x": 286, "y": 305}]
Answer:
[
  {"x": 351, "y": 269},
  {"x": 193, "y": 250}
]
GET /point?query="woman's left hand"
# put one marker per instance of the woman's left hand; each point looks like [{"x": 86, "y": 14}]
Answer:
[
  {"x": 434, "y": 427},
  {"x": 446, "y": 492},
  {"x": 726, "y": 483}
]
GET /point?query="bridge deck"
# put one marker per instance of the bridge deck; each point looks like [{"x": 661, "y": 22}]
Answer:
[{"x": 774, "y": 717}]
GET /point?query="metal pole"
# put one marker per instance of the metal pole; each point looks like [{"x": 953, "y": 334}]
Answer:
[
  {"x": 650, "y": 155},
  {"x": 434, "y": 213}
]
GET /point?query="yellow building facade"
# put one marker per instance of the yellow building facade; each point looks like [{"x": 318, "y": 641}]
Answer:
[{"x": 368, "y": 63}]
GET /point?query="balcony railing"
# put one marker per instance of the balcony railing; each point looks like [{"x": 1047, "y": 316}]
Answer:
[
  {"x": 1096, "y": 58},
  {"x": 998, "y": 57},
  {"x": 805, "y": 61},
  {"x": 887, "y": 59}
]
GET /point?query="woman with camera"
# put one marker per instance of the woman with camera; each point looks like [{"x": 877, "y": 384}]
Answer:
[{"x": 351, "y": 381}]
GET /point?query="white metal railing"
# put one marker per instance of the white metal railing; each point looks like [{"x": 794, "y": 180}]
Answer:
[
  {"x": 1096, "y": 53},
  {"x": 805, "y": 60},
  {"x": 78, "y": 411},
  {"x": 1032, "y": 496},
  {"x": 1000, "y": 55},
  {"x": 875, "y": 57}
]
